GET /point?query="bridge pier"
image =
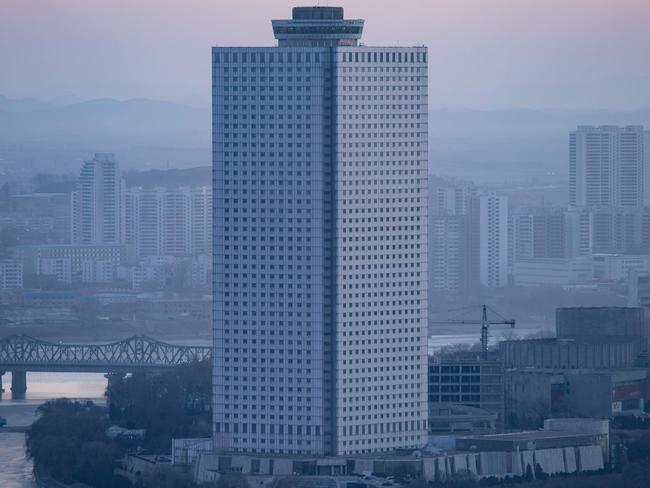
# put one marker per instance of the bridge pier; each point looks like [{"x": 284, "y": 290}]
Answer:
[{"x": 18, "y": 382}]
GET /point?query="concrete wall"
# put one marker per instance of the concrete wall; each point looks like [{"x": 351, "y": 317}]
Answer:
[
  {"x": 587, "y": 323},
  {"x": 553, "y": 353},
  {"x": 587, "y": 426},
  {"x": 535, "y": 394},
  {"x": 590, "y": 394},
  {"x": 186, "y": 451},
  {"x": 528, "y": 397},
  {"x": 439, "y": 468},
  {"x": 590, "y": 458}
]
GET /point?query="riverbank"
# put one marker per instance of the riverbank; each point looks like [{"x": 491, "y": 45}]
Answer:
[
  {"x": 16, "y": 470},
  {"x": 43, "y": 479}
]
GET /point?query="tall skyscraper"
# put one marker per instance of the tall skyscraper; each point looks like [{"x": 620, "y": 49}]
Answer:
[
  {"x": 490, "y": 239},
  {"x": 144, "y": 221},
  {"x": 320, "y": 241},
  {"x": 646, "y": 168},
  {"x": 606, "y": 166},
  {"x": 449, "y": 229},
  {"x": 607, "y": 172},
  {"x": 448, "y": 253},
  {"x": 98, "y": 202}
]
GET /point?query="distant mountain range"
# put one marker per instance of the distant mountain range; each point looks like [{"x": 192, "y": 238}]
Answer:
[
  {"x": 140, "y": 120},
  {"x": 533, "y": 123},
  {"x": 29, "y": 104},
  {"x": 144, "y": 134},
  {"x": 485, "y": 145}
]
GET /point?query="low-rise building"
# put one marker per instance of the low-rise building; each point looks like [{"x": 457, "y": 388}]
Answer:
[
  {"x": 587, "y": 337},
  {"x": 619, "y": 267},
  {"x": 564, "y": 446},
  {"x": 569, "y": 353},
  {"x": 39, "y": 216},
  {"x": 77, "y": 254},
  {"x": 592, "y": 369},
  {"x": 59, "y": 268},
  {"x": 533, "y": 395},
  {"x": 98, "y": 271},
  {"x": 579, "y": 270},
  {"x": 601, "y": 323},
  {"x": 553, "y": 271},
  {"x": 453, "y": 418},
  {"x": 466, "y": 378},
  {"x": 11, "y": 275}
]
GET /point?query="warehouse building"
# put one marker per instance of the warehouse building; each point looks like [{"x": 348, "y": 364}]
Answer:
[{"x": 592, "y": 369}]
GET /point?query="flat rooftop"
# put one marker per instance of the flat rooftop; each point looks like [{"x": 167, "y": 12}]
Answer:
[{"x": 528, "y": 435}]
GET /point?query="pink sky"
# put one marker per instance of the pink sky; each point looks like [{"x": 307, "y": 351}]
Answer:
[{"x": 483, "y": 53}]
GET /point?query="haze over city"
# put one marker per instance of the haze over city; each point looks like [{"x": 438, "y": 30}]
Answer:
[
  {"x": 261, "y": 244},
  {"x": 580, "y": 54}
]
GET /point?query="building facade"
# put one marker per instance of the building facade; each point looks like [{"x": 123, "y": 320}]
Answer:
[
  {"x": 539, "y": 233},
  {"x": 45, "y": 216},
  {"x": 491, "y": 239},
  {"x": 594, "y": 368},
  {"x": 66, "y": 262},
  {"x": 606, "y": 166},
  {"x": 176, "y": 222},
  {"x": 448, "y": 253},
  {"x": 11, "y": 274},
  {"x": 320, "y": 241},
  {"x": 98, "y": 202},
  {"x": 449, "y": 231},
  {"x": 468, "y": 379}
]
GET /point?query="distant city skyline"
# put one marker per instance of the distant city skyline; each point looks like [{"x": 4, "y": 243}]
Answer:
[{"x": 576, "y": 54}]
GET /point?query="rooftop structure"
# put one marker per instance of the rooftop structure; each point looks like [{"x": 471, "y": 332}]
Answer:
[
  {"x": 317, "y": 26},
  {"x": 452, "y": 418},
  {"x": 528, "y": 440},
  {"x": 605, "y": 323}
]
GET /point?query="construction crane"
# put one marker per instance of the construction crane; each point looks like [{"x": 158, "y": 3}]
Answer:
[{"x": 485, "y": 326}]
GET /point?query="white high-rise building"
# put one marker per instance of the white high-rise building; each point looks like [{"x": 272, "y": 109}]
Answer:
[
  {"x": 646, "y": 168},
  {"x": 493, "y": 239},
  {"x": 449, "y": 230},
  {"x": 320, "y": 228},
  {"x": 200, "y": 228},
  {"x": 175, "y": 222},
  {"x": 144, "y": 221},
  {"x": 98, "y": 202},
  {"x": 606, "y": 166},
  {"x": 451, "y": 199},
  {"x": 448, "y": 253}
]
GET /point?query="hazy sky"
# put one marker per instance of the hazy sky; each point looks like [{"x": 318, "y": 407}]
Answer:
[{"x": 483, "y": 53}]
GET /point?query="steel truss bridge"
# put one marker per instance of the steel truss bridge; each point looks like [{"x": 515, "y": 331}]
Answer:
[{"x": 21, "y": 353}]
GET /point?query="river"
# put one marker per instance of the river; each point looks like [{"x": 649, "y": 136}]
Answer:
[{"x": 15, "y": 468}]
